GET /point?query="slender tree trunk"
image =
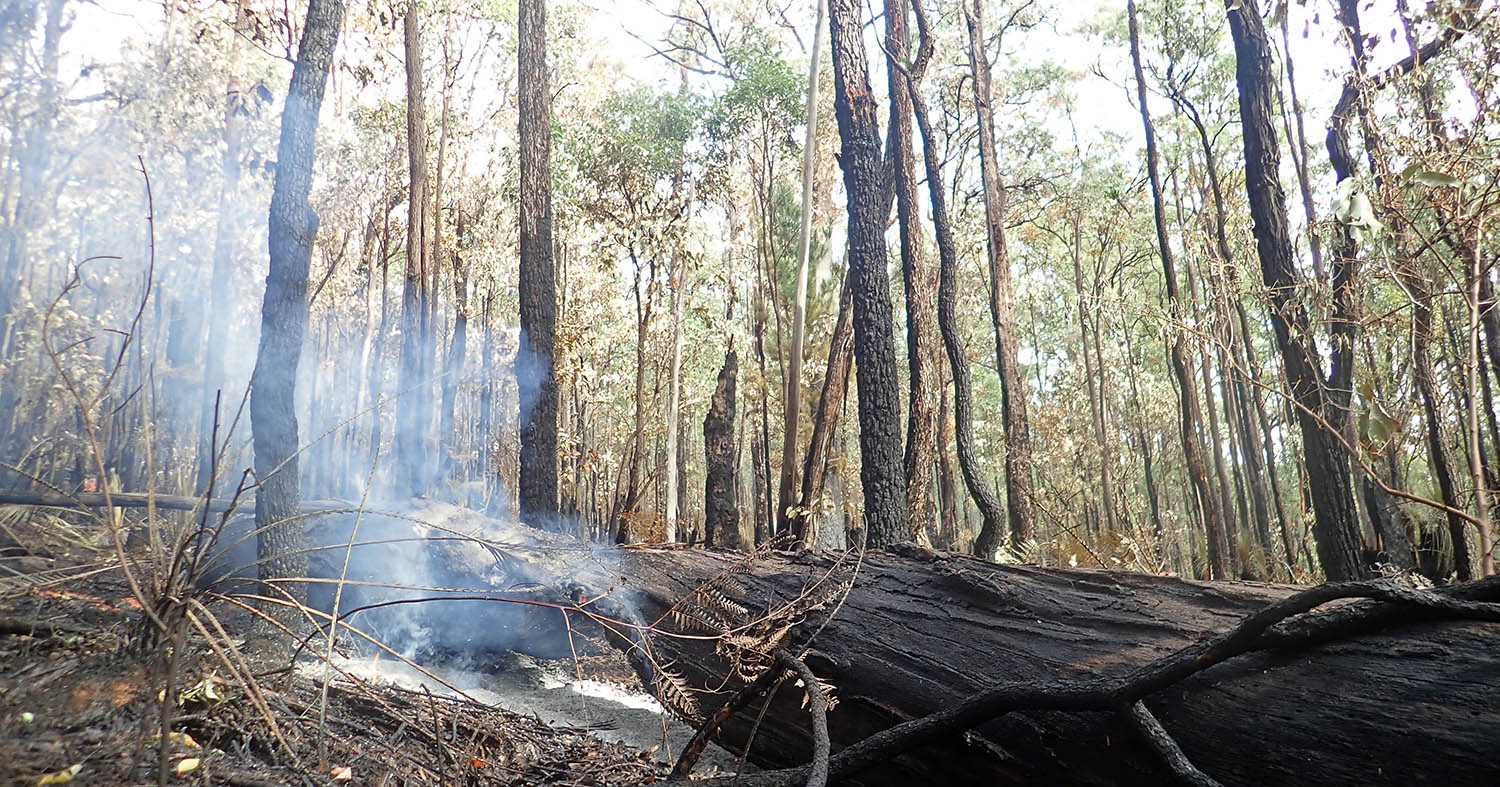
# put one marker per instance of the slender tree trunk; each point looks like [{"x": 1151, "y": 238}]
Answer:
[
  {"x": 830, "y": 404},
  {"x": 1018, "y": 500},
  {"x": 293, "y": 226},
  {"x": 984, "y": 495},
  {"x": 1191, "y": 417},
  {"x": 921, "y": 399},
  {"x": 410, "y": 448},
  {"x": 457, "y": 353},
  {"x": 793, "y": 381},
  {"x": 874, "y": 345},
  {"x": 223, "y": 261},
  {"x": 1096, "y": 397},
  {"x": 1337, "y": 525},
  {"x": 536, "y": 379},
  {"x": 674, "y": 401}
]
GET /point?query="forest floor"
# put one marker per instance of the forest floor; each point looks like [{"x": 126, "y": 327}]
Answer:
[{"x": 81, "y": 701}]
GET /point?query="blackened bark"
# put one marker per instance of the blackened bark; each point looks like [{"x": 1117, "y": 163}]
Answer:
[
  {"x": 1018, "y": 500},
  {"x": 457, "y": 352},
  {"x": 874, "y": 344},
  {"x": 830, "y": 404},
  {"x": 721, "y": 523},
  {"x": 1336, "y": 524},
  {"x": 293, "y": 225},
  {"x": 1191, "y": 417},
  {"x": 536, "y": 375},
  {"x": 920, "y": 316},
  {"x": 990, "y": 508}
]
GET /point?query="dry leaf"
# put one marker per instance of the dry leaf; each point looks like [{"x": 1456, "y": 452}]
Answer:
[
  {"x": 343, "y": 773},
  {"x": 60, "y": 777},
  {"x": 188, "y": 765}
]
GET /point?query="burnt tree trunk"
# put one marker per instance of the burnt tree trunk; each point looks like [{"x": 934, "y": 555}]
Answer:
[
  {"x": 914, "y": 636},
  {"x": 721, "y": 523},
  {"x": 293, "y": 225},
  {"x": 411, "y": 412},
  {"x": 874, "y": 344},
  {"x": 1191, "y": 417},
  {"x": 536, "y": 376},
  {"x": 920, "y": 309},
  {"x": 1337, "y": 522},
  {"x": 830, "y": 403}
]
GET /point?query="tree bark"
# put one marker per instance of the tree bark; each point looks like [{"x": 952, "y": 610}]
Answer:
[
  {"x": 1018, "y": 498},
  {"x": 922, "y": 394},
  {"x": 410, "y": 448},
  {"x": 874, "y": 344},
  {"x": 223, "y": 261},
  {"x": 536, "y": 378},
  {"x": 293, "y": 226},
  {"x": 830, "y": 404},
  {"x": 721, "y": 522},
  {"x": 1336, "y": 524}
]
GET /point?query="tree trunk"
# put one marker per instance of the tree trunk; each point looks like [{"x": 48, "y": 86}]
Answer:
[
  {"x": 293, "y": 226},
  {"x": 1337, "y": 525},
  {"x": 1191, "y": 417},
  {"x": 223, "y": 262},
  {"x": 785, "y": 499},
  {"x": 536, "y": 380},
  {"x": 1003, "y": 312},
  {"x": 410, "y": 449},
  {"x": 830, "y": 404},
  {"x": 674, "y": 401},
  {"x": 721, "y": 517},
  {"x": 921, "y": 399},
  {"x": 874, "y": 344}
]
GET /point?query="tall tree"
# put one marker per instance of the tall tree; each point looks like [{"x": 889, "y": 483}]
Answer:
[
  {"x": 223, "y": 257},
  {"x": 990, "y": 508},
  {"x": 793, "y": 413},
  {"x": 292, "y": 227},
  {"x": 536, "y": 374},
  {"x": 1018, "y": 500},
  {"x": 1336, "y": 519},
  {"x": 410, "y": 416},
  {"x": 1191, "y": 422},
  {"x": 921, "y": 421},
  {"x": 874, "y": 344},
  {"x": 721, "y": 524}
]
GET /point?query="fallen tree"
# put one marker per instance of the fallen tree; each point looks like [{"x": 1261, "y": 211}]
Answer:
[{"x": 944, "y": 669}]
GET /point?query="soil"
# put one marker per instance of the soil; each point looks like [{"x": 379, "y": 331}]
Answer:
[{"x": 82, "y": 696}]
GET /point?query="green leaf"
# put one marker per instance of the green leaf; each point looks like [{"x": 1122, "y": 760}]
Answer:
[{"x": 1427, "y": 177}]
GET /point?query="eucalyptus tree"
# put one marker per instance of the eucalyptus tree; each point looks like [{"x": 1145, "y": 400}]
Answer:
[
  {"x": 874, "y": 346},
  {"x": 536, "y": 375},
  {"x": 637, "y": 164},
  {"x": 293, "y": 225},
  {"x": 1337, "y": 524},
  {"x": 1019, "y": 500}
]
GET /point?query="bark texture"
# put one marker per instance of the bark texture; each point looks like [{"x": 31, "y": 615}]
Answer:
[
  {"x": 721, "y": 524},
  {"x": 536, "y": 374},
  {"x": 1336, "y": 525},
  {"x": 874, "y": 343},
  {"x": 293, "y": 225}
]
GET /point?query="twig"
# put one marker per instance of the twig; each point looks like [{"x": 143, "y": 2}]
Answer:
[
  {"x": 817, "y": 707},
  {"x": 1161, "y": 742}
]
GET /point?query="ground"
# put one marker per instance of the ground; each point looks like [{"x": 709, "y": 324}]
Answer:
[{"x": 81, "y": 699}]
